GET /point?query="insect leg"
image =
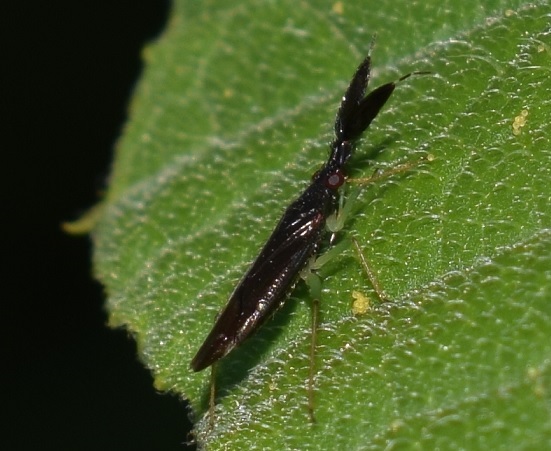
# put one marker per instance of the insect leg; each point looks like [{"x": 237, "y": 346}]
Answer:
[
  {"x": 383, "y": 174},
  {"x": 212, "y": 396},
  {"x": 312, "y": 369},
  {"x": 314, "y": 284},
  {"x": 370, "y": 272},
  {"x": 335, "y": 222}
]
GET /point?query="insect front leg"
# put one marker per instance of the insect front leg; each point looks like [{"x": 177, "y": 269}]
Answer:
[
  {"x": 377, "y": 176},
  {"x": 380, "y": 174},
  {"x": 335, "y": 223}
]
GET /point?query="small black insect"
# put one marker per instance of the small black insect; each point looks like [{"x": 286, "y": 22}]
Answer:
[{"x": 298, "y": 235}]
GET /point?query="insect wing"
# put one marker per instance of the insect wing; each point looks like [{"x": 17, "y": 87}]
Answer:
[{"x": 264, "y": 287}]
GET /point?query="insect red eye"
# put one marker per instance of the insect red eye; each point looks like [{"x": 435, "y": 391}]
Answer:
[{"x": 335, "y": 180}]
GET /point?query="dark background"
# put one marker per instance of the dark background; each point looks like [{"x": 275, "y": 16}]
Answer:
[{"x": 68, "y": 381}]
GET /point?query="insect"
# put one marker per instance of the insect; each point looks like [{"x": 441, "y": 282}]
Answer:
[{"x": 298, "y": 235}]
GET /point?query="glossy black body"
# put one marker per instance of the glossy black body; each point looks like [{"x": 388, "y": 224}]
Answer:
[{"x": 298, "y": 234}]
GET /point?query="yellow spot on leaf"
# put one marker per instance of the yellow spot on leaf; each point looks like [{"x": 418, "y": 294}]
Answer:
[
  {"x": 361, "y": 303},
  {"x": 338, "y": 8},
  {"x": 519, "y": 122}
]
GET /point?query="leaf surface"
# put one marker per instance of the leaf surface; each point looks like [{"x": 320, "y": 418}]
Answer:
[{"x": 232, "y": 117}]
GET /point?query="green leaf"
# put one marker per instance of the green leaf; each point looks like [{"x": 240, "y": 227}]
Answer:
[{"x": 233, "y": 116}]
